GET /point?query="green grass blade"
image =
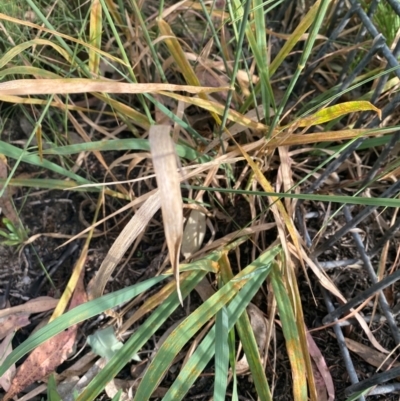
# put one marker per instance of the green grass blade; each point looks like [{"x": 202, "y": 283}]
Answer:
[
  {"x": 138, "y": 339},
  {"x": 294, "y": 38},
  {"x": 232, "y": 352},
  {"x": 221, "y": 355},
  {"x": 250, "y": 348},
  {"x": 367, "y": 144},
  {"x": 52, "y": 394},
  {"x": 125, "y": 57},
  {"x": 77, "y": 315},
  {"x": 60, "y": 40},
  {"x": 206, "y": 349},
  {"x": 351, "y": 200},
  {"x": 117, "y": 396},
  {"x": 303, "y": 60},
  {"x": 249, "y": 343},
  {"x": 357, "y": 395},
  {"x": 182, "y": 334},
  {"x": 176, "y": 119},
  {"x": 118, "y": 144},
  {"x": 260, "y": 51},
  {"x": 243, "y": 14},
  {"x": 149, "y": 42},
  {"x": 48, "y": 183},
  {"x": 16, "y": 153}
]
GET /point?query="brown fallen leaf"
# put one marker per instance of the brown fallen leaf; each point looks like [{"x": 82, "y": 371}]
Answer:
[
  {"x": 41, "y": 304},
  {"x": 323, "y": 378},
  {"x": 12, "y": 323},
  {"x": 370, "y": 355},
  {"x": 49, "y": 355}
]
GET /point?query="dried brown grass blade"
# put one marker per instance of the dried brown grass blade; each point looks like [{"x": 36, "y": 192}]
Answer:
[
  {"x": 166, "y": 168},
  {"x": 83, "y": 85},
  {"x": 130, "y": 232}
]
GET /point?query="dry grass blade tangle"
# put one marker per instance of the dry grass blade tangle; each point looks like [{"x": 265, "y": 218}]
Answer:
[{"x": 212, "y": 111}]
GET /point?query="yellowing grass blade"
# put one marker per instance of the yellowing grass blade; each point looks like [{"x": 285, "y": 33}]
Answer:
[
  {"x": 290, "y": 331},
  {"x": 137, "y": 118},
  {"x": 219, "y": 109},
  {"x": 280, "y": 215},
  {"x": 15, "y": 51},
  {"x": 180, "y": 58},
  {"x": 95, "y": 35},
  {"x": 295, "y": 37},
  {"x": 178, "y": 53},
  {"x": 58, "y": 34},
  {"x": 82, "y": 85},
  {"x": 28, "y": 70},
  {"x": 78, "y": 269},
  {"x": 328, "y": 136},
  {"x": 338, "y": 110},
  {"x": 166, "y": 168}
]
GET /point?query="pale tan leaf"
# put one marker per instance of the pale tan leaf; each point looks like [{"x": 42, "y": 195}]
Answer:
[
  {"x": 130, "y": 232},
  {"x": 194, "y": 233},
  {"x": 41, "y": 304},
  {"x": 259, "y": 324},
  {"x": 82, "y": 85},
  {"x": 116, "y": 385},
  {"x": 166, "y": 169}
]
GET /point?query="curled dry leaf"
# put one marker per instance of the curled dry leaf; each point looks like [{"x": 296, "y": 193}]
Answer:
[
  {"x": 166, "y": 168},
  {"x": 259, "y": 324},
  {"x": 194, "y": 233},
  {"x": 43, "y": 360}
]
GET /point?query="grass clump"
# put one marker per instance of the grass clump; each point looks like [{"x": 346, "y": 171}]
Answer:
[{"x": 92, "y": 79}]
